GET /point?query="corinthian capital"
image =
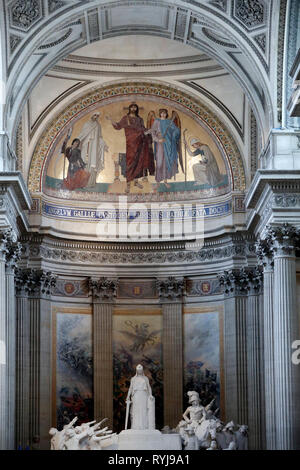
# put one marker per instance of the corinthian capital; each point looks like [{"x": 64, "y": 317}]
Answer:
[
  {"x": 170, "y": 289},
  {"x": 240, "y": 281},
  {"x": 104, "y": 289},
  {"x": 34, "y": 282},
  {"x": 265, "y": 251},
  {"x": 285, "y": 238},
  {"x": 10, "y": 249}
]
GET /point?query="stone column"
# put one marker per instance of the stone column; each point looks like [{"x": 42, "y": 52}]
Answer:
[
  {"x": 22, "y": 367},
  {"x": 171, "y": 293},
  {"x": 265, "y": 255},
  {"x": 254, "y": 365},
  {"x": 104, "y": 292},
  {"x": 235, "y": 345},
  {"x": 13, "y": 254},
  {"x": 33, "y": 287},
  {"x": 9, "y": 254},
  {"x": 286, "y": 331},
  {"x": 3, "y": 345}
]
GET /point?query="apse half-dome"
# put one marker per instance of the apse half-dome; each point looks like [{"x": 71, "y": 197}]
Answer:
[{"x": 99, "y": 167}]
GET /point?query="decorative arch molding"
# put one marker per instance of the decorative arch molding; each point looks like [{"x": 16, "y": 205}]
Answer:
[
  {"x": 182, "y": 21},
  {"x": 193, "y": 106}
]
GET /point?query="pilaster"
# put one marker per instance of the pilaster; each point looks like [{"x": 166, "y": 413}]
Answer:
[
  {"x": 103, "y": 292},
  {"x": 171, "y": 291}
]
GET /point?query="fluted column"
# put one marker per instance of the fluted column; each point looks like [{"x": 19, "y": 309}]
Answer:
[
  {"x": 265, "y": 255},
  {"x": 235, "y": 345},
  {"x": 13, "y": 254},
  {"x": 32, "y": 287},
  {"x": 3, "y": 340},
  {"x": 286, "y": 330},
  {"x": 9, "y": 255},
  {"x": 254, "y": 364},
  {"x": 171, "y": 293},
  {"x": 10, "y": 355},
  {"x": 104, "y": 292},
  {"x": 22, "y": 370}
]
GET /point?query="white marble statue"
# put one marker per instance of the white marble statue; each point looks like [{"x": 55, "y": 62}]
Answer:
[
  {"x": 242, "y": 437},
  {"x": 83, "y": 437},
  {"x": 58, "y": 437},
  {"x": 195, "y": 418},
  {"x": 190, "y": 440},
  {"x": 232, "y": 446},
  {"x": 140, "y": 401},
  {"x": 218, "y": 435},
  {"x": 201, "y": 424},
  {"x": 229, "y": 431},
  {"x": 213, "y": 446},
  {"x": 194, "y": 413}
]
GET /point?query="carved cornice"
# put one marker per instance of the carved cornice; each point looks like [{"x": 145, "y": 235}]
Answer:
[
  {"x": 170, "y": 289},
  {"x": 34, "y": 283},
  {"x": 91, "y": 253}
]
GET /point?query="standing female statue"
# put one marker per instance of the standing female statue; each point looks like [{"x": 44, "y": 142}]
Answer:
[{"x": 141, "y": 402}]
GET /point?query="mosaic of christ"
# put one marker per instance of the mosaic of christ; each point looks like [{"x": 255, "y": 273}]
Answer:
[{"x": 136, "y": 147}]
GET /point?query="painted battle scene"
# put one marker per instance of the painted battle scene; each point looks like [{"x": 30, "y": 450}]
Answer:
[
  {"x": 127, "y": 147},
  {"x": 137, "y": 340},
  {"x": 74, "y": 368},
  {"x": 202, "y": 357}
]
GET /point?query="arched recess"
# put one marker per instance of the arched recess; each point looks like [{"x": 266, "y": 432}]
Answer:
[
  {"x": 196, "y": 108},
  {"x": 185, "y": 22}
]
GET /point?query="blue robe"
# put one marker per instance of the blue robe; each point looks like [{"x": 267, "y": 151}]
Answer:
[{"x": 166, "y": 153}]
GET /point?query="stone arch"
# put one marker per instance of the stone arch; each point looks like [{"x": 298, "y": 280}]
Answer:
[{"x": 188, "y": 19}]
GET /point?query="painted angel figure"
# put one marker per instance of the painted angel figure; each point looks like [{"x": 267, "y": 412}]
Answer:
[
  {"x": 141, "y": 336},
  {"x": 167, "y": 150},
  {"x": 207, "y": 165}
]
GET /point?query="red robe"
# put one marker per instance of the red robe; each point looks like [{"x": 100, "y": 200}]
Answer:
[{"x": 139, "y": 153}]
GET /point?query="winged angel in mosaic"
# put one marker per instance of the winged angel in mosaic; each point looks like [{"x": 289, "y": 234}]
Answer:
[
  {"x": 165, "y": 133},
  {"x": 140, "y": 336}
]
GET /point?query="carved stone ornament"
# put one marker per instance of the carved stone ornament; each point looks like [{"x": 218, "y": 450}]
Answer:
[
  {"x": 103, "y": 289},
  {"x": 24, "y": 13},
  {"x": 222, "y": 4},
  {"x": 265, "y": 251},
  {"x": 285, "y": 238},
  {"x": 255, "y": 276},
  {"x": 10, "y": 249},
  {"x": 54, "y": 5},
  {"x": 249, "y": 12},
  {"x": 241, "y": 281},
  {"x": 34, "y": 282},
  {"x": 170, "y": 289},
  {"x": 91, "y": 257}
]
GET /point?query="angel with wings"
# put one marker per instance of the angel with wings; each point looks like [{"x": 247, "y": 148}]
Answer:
[
  {"x": 167, "y": 149},
  {"x": 141, "y": 336}
]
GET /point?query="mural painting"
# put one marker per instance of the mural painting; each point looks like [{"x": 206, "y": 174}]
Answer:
[
  {"x": 202, "y": 369},
  {"x": 73, "y": 368},
  {"x": 137, "y": 340},
  {"x": 127, "y": 147}
]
